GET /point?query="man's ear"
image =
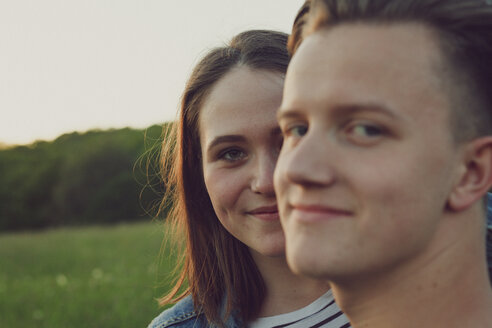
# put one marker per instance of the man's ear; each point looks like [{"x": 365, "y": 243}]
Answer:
[{"x": 476, "y": 177}]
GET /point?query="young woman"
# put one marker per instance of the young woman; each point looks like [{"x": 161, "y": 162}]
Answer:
[{"x": 221, "y": 170}]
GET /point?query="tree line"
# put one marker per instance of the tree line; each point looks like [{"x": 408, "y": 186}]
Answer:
[{"x": 81, "y": 178}]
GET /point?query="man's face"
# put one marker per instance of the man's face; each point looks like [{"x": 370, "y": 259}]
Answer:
[{"x": 368, "y": 158}]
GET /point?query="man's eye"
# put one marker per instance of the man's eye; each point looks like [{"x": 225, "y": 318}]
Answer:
[
  {"x": 365, "y": 133},
  {"x": 232, "y": 155},
  {"x": 365, "y": 130},
  {"x": 297, "y": 131}
]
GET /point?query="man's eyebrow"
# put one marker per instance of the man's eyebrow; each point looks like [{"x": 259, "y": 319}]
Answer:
[
  {"x": 342, "y": 110},
  {"x": 225, "y": 138},
  {"x": 288, "y": 113},
  {"x": 347, "y": 109}
]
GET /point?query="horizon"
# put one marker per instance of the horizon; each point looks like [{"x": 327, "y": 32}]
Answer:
[{"x": 4, "y": 145}]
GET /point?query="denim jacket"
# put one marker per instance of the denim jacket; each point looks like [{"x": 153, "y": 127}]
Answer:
[
  {"x": 489, "y": 234},
  {"x": 184, "y": 315}
]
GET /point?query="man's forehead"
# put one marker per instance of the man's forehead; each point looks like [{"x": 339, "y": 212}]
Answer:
[
  {"x": 395, "y": 41},
  {"x": 365, "y": 56}
]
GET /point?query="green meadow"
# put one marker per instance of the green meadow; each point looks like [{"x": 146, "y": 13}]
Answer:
[{"x": 105, "y": 276}]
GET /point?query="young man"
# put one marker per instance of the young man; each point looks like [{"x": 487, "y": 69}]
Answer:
[{"x": 387, "y": 158}]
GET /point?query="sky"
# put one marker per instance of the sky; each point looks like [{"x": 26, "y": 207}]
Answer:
[{"x": 76, "y": 65}]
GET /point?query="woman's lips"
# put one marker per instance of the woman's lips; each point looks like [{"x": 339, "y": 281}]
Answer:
[{"x": 266, "y": 213}]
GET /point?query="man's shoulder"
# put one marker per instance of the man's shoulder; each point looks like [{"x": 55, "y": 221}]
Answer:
[{"x": 183, "y": 314}]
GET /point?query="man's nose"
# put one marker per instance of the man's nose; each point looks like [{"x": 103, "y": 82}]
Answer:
[{"x": 309, "y": 161}]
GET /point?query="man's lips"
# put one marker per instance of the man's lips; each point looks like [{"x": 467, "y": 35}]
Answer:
[
  {"x": 315, "y": 212},
  {"x": 267, "y": 213}
]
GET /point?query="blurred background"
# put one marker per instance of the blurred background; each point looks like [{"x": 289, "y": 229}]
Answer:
[{"x": 85, "y": 89}]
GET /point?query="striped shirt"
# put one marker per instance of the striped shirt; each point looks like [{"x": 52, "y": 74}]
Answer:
[{"x": 322, "y": 313}]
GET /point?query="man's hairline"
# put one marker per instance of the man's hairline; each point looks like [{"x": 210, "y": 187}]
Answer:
[{"x": 444, "y": 68}]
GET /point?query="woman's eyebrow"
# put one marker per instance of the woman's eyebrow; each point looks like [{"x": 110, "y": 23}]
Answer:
[{"x": 226, "y": 138}]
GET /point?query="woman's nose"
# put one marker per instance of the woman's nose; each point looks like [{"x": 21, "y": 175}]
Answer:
[{"x": 262, "y": 182}]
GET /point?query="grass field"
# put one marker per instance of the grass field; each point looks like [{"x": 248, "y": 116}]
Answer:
[{"x": 82, "y": 277}]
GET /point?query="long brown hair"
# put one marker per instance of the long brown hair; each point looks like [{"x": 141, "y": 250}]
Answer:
[
  {"x": 463, "y": 30},
  {"x": 217, "y": 269}
]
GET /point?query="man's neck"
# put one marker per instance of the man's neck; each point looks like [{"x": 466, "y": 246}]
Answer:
[{"x": 446, "y": 287}]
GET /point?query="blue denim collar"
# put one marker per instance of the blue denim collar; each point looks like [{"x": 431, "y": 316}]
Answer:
[
  {"x": 184, "y": 315},
  {"x": 489, "y": 234},
  {"x": 489, "y": 210}
]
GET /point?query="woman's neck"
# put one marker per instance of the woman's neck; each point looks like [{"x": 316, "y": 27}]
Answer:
[{"x": 286, "y": 292}]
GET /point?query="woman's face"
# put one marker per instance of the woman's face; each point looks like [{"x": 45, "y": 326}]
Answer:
[{"x": 240, "y": 141}]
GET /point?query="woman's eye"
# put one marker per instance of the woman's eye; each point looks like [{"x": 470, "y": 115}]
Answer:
[{"x": 232, "y": 155}]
